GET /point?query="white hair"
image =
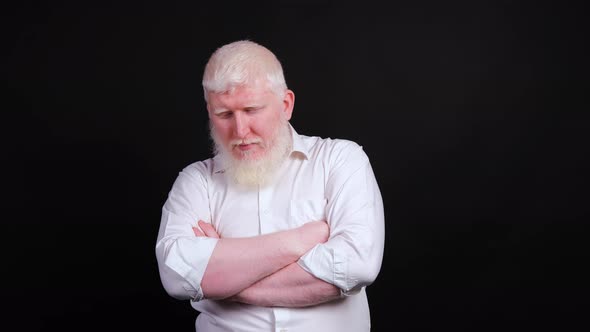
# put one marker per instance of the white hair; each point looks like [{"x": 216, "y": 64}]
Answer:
[{"x": 240, "y": 63}]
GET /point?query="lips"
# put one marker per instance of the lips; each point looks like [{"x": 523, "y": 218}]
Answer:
[{"x": 245, "y": 147}]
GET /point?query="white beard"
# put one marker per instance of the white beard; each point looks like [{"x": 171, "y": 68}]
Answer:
[{"x": 254, "y": 172}]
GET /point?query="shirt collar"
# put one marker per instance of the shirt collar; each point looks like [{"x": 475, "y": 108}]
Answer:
[
  {"x": 298, "y": 148},
  {"x": 298, "y": 145}
]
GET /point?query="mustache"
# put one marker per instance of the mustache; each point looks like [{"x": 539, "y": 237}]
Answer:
[{"x": 236, "y": 142}]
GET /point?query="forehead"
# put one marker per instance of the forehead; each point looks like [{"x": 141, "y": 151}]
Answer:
[{"x": 241, "y": 95}]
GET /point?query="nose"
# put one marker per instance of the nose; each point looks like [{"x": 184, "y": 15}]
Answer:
[{"x": 241, "y": 127}]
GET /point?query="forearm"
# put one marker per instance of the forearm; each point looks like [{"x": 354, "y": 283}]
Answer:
[
  {"x": 289, "y": 287},
  {"x": 237, "y": 263}
]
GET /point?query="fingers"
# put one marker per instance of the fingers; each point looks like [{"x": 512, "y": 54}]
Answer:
[
  {"x": 198, "y": 232},
  {"x": 208, "y": 229}
]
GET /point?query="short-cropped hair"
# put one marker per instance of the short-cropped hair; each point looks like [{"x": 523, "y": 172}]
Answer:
[{"x": 240, "y": 63}]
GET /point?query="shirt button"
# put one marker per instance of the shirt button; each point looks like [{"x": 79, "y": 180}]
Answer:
[
  {"x": 283, "y": 330},
  {"x": 265, "y": 211}
]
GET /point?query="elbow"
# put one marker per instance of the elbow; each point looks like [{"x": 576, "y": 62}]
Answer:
[
  {"x": 176, "y": 290},
  {"x": 174, "y": 281},
  {"x": 363, "y": 273},
  {"x": 364, "y": 276},
  {"x": 358, "y": 278},
  {"x": 175, "y": 285},
  {"x": 364, "y": 267}
]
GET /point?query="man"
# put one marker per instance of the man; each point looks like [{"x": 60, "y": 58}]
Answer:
[{"x": 278, "y": 231}]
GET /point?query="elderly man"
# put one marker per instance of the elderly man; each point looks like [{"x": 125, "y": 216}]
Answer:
[{"x": 278, "y": 231}]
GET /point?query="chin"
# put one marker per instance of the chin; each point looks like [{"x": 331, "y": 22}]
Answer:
[{"x": 248, "y": 155}]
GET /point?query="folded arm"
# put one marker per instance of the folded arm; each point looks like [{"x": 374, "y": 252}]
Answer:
[
  {"x": 209, "y": 267},
  {"x": 351, "y": 258},
  {"x": 289, "y": 287},
  {"x": 237, "y": 263}
]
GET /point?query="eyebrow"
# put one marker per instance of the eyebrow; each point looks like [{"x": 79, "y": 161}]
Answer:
[
  {"x": 249, "y": 107},
  {"x": 219, "y": 110}
]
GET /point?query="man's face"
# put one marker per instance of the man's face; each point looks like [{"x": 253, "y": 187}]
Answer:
[{"x": 246, "y": 119}]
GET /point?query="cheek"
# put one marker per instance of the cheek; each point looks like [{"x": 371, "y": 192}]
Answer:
[
  {"x": 262, "y": 131},
  {"x": 269, "y": 127},
  {"x": 221, "y": 131}
]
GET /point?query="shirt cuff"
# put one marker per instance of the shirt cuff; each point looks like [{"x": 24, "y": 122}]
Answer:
[
  {"x": 325, "y": 263},
  {"x": 188, "y": 257}
]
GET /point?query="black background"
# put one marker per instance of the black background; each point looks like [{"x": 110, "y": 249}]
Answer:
[{"x": 472, "y": 113}]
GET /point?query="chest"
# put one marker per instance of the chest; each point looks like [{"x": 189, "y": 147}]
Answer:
[{"x": 296, "y": 197}]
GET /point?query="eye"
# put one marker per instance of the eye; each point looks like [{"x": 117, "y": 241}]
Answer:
[
  {"x": 225, "y": 115},
  {"x": 252, "y": 110}
]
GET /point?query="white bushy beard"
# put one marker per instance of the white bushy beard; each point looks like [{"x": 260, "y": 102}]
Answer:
[{"x": 254, "y": 172}]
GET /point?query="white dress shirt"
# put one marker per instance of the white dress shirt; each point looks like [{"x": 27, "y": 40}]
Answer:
[{"x": 322, "y": 179}]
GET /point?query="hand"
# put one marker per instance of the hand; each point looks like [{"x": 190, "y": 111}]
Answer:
[{"x": 206, "y": 230}]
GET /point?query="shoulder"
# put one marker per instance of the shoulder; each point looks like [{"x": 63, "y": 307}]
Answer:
[
  {"x": 202, "y": 166},
  {"x": 334, "y": 149},
  {"x": 197, "y": 171}
]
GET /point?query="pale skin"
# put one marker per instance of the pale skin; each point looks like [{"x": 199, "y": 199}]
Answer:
[
  {"x": 260, "y": 270},
  {"x": 248, "y": 113},
  {"x": 291, "y": 286}
]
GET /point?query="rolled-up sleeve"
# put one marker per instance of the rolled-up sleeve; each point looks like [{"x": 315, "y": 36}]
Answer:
[
  {"x": 182, "y": 257},
  {"x": 351, "y": 258}
]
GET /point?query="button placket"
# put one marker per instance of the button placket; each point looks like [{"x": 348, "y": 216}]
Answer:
[
  {"x": 264, "y": 210},
  {"x": 281, "y": 318}
]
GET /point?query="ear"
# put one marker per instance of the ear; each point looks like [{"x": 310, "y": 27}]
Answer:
[{"x": 288, "y": 104}]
